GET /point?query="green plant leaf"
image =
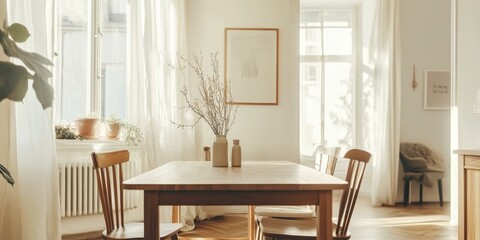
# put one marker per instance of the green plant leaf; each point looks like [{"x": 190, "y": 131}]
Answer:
[
  {"x": 6, "y": 174},
  {"x": 13, "y": 81},
  {"x": 16, "y": 90},
  {"x": 43, "y": 90},
  {"x": 18, "y": 32}
]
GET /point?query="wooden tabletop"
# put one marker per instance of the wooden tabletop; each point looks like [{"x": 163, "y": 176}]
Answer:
[{"x": 255, "y": 175}]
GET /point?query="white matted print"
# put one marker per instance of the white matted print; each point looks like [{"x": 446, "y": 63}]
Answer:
[
  {"x": 437, "y": 90},
  {"x": 251, "y": 65}
]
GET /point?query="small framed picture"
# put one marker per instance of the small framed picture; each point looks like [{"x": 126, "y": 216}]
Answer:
[{"x": 437, "y": 90}]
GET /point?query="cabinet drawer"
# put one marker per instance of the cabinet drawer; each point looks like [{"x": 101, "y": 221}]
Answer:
[{"x": 472, "y": 162}]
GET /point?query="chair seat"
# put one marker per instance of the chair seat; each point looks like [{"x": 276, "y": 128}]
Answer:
[
  {"x": 135, "y": 231},
  {"x": 293, "y": 228},
  {"x": 284, "y": 211}
]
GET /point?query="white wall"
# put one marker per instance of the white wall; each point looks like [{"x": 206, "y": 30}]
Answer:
[
  {"x": 465, "y": 124},
  {"x": 468, "y": 73},
  {"x": 265, "y": 132},
  {"x": 466, "y": 76},
  {"x": 425, "y": 43}
]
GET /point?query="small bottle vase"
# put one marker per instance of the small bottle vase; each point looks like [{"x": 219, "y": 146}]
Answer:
[
  {"x": 220, "y": 151},
  {"x": 236, "y": 154}
]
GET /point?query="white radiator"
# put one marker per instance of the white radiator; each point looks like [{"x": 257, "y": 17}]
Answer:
[{"x": 78, "y": 188}]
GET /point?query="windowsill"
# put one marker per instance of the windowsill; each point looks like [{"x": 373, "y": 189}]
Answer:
[
  {"x": 88, "y": 142},
  {"x": 72, "y": 150}
]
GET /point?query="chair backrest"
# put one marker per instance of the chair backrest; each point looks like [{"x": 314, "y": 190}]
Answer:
[
  {"x": 356, "y": 168},
  {"x": 108, "y": 168},
  {"x": 208, "y": 155},
  {"x": 326, "y": 158},
  {"x": 411, "y": 151}
]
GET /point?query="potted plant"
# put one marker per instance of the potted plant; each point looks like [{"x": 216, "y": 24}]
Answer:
[
  {"x": 87, "y": 126},
  {"x": 132, "y": 134},
  {"x": 116, "y": 128},
  {"x": 14, "y": 79},
  {"x": 113, "y": 126},
  {"x": 65, "y": 131}
]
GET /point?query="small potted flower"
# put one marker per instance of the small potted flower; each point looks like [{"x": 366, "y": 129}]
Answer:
[
  {"x": 130, "y": 133},
  {"x": 113, "y": 126}
]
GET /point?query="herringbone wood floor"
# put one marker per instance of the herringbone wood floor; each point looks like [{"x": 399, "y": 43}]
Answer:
[{"x": 419, "y": 222}]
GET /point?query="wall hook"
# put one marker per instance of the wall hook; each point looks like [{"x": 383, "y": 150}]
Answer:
[{"x": 414, "y": 82}]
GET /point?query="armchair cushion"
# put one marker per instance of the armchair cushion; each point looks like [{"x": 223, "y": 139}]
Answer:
[{"x": 416, "y": 164}]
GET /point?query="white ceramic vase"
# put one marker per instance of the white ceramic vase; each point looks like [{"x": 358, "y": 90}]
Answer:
[{"x": 220, "y": 151}]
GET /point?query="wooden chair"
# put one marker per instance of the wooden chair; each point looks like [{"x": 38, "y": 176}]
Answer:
[
  {"x": 306, "y": 228},
  {"x": 207, "y": 153},
  {"x": 325, "y": 161},
  {"x": 326, "y": 158},
  {"x": 108, "y": 169}
]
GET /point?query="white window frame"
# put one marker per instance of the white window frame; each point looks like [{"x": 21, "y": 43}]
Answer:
[{"x": 93, "y": 102}]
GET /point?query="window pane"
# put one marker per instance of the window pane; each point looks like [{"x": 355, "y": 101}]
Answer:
[
  {"x": 337, "y": 18},
  {"x": 310, "y": 19},
  {"x": 113, "y": 57},
  {"x": 310, "y": 41},
  {"x": 339, "y": 121},
  {"x": 338, "y": 41},
  {"x": 71, "y": 83},
  {"x": 310, "y": 106}
]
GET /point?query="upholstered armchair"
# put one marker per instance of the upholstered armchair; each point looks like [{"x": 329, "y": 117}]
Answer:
[{"x": 422, "y": 165}]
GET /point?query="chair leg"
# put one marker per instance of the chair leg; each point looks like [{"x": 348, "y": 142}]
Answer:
[
  {"x": 257, "y": 232},
  {"x": 406, "y": 191},
  {"x": 440, "y": 191},
  {"x": 421, "y": 193}
]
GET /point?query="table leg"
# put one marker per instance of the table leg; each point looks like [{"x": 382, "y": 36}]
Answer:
[
  {"x": 251, "y": 222},
  {"x": 151, "y": 224},
  {"x": 324, "y": 216},
  {"x": 176, "y": 214}
]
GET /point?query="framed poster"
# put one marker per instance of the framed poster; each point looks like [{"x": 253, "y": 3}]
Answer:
[
  {"x": 251, "y": 65},
  {"x": 437, "y": 90}
]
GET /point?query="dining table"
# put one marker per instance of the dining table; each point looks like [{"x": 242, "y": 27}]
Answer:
[{"x": 254, "y": 183}]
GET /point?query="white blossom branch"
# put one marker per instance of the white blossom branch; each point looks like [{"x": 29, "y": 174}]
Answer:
[{"x": 211, "y": 105}]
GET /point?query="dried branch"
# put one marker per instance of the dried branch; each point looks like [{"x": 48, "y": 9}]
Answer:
[{"x": 212, "y": 102}]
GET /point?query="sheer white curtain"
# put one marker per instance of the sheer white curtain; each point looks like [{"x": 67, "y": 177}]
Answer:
[
  {"x": 386, "y": 55},
  {"x": 157, "y": 34},
  {"x": 30, "y": 210}
]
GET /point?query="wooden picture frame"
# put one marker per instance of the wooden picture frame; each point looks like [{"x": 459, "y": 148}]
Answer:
[
  {"x": 251, "y": 65},
  {"x": 437, "y": 90}
]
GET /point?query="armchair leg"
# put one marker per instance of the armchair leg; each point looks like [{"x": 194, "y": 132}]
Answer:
[
  {"x": 406, "y": 191},
  {"x": 421, "y": 193},
  {"x": 440, "y": 191}
]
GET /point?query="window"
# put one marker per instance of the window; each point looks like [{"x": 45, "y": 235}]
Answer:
[
  {"x": 91, "y": 62},
  {"x": 327, "y": 79}
]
